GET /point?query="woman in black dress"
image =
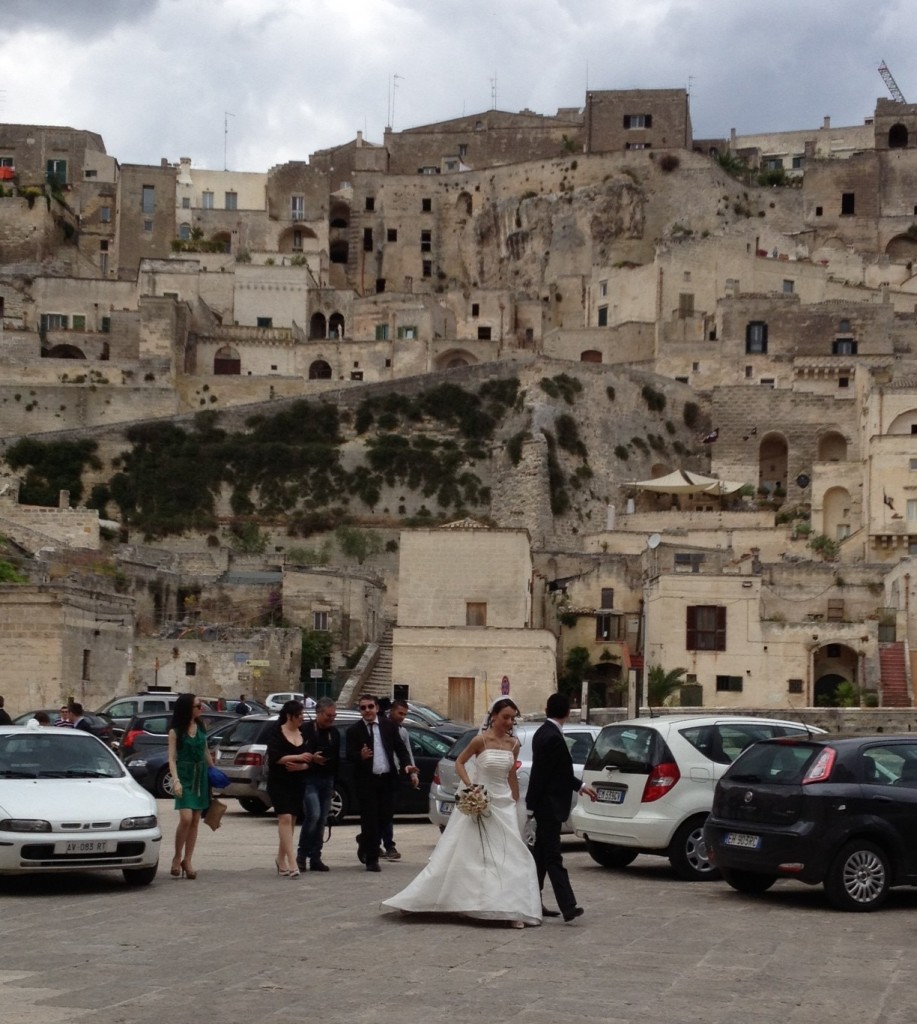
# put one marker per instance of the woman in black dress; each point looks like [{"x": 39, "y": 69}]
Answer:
[{"x": 287, "y": 760}]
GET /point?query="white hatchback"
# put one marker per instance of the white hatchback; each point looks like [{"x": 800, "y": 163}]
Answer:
[
  {"x": 68, "y": 804},
  {"x": 655, "y": 779}
]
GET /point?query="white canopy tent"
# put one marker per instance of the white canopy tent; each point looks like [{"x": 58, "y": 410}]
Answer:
[{"x": 683, "y": 481}]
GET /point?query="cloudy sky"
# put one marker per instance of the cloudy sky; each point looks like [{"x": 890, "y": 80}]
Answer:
[{"x": 162, "y": 78}]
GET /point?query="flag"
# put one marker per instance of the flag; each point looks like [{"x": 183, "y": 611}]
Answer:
[{"x": 888, "y": 501}]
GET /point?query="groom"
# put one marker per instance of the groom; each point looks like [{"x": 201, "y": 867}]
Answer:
[{"x": 551, "y": 785}]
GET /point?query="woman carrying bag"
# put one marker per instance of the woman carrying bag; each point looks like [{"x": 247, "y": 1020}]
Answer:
[{"x": 189, "y": 761}]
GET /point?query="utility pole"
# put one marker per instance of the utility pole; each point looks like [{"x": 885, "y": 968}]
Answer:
[{"x": 226, "y": 117}]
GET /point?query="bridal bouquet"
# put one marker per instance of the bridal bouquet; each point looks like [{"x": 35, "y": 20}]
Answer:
[{"x": 475, "y": 802}]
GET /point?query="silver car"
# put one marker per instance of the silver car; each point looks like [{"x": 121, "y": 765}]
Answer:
[{"x": 579, "y": 739}]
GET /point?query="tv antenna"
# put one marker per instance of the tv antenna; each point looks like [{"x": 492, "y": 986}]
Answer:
[
  {"x": 890, "y": 82},
  {"x": 493, "y": 92},
  {"x": 391, "y": 100},
  {"x": 226, "y": 116}
]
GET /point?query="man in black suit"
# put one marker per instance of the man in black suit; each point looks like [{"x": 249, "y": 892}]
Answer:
[
  {"x": 551, "y": 785},
  {"x": 373, "y": 746}
]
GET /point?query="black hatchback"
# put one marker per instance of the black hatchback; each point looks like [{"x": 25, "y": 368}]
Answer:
[{"x": 842, "y": 813}]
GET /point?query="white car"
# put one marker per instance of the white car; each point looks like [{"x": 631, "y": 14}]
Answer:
[
  {"x": 445, "y": 781},
  {"x": 655, "y": 779},
  {"x": 68, "y": 804},
  {"x": 275, "y": 701}
]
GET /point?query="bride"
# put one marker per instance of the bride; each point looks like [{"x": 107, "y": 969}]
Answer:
[{"x": 481, "y": 867}]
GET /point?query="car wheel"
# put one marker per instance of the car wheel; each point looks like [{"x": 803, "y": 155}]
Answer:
[
  {"x": 858, "y": 878},
  {"x": 339, "y": 806},
  {"x": 610, "y": 856},
  {"x": 747, "y": 881},
  {"x": 688, "y": 852},
  {"x": 140, "y": 876},
  {"x": 253, "y": 805},
  {"x": 163, "y": 786}
]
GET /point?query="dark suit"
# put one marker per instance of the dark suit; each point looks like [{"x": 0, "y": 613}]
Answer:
[
  {"x": 375, "y": 793},
  {"x": 551, "y": 785}
]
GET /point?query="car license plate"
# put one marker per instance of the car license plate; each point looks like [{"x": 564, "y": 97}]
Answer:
[
  {"x": 610, "y": 796},
  {"x": 741, "y": 839},
  {"x": 445, "y": 807},
  {"x": 81, "y": 847}
]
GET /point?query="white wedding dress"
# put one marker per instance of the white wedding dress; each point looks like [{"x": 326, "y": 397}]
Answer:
[{"x": 480, "y": 867}]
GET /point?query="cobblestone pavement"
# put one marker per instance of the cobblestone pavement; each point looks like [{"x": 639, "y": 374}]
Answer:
[{"x": 240, "y": 944}]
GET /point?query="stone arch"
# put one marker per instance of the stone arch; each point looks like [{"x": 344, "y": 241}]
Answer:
[
  {"x": 897, "y": 136},
  {"x": 834, "y": 242},
  {"x": 463, "y": 203},
  {"x": 902, "y": 247},
  {"x": 339, "y": 215},
  {"x": 904, "y": 423},
  {"x": 835, "y": 513},
  {"x": 590, "y": 355},
  {"x": 292, "y": 239},
  {"x": 773, "y": 457},
  {"x": 65, "y": 352},
  {"x": 224, "y": 239},
  {"x": 336, "y": 325},
  {"x": 226, "y": 362},
  {"x": 317, "y": 326},
  {"x": 339, "y": 251},
  {"x": 832, "y": 447},
  {"x": 319, "y": 370},
  {"x": 454, "y": 359},
  {"x": 832, "y": 664}
]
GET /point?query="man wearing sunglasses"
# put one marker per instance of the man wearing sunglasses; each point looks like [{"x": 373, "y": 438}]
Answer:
[{"x": 375, "y": 749}]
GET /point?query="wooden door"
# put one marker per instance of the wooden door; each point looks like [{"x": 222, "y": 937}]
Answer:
[{"x": 461, "y": 698}]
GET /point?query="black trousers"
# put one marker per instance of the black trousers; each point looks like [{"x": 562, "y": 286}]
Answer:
[
  {"x": 376, "y": 796},
  {"x": 549, "y": 861}
]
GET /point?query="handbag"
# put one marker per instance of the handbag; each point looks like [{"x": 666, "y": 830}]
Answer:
[
  {"x": 214, "y": 813},
  {"x": 218, "y": 779}
]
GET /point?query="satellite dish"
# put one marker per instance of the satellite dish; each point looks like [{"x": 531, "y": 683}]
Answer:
[{"x": 653, "y": 541}]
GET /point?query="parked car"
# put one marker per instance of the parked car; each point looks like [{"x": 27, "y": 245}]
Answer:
[
  {"x": 151, "y": 767},
  {"x": 275, "y": 701},
  {"x": 423, "y": 714},
  {"x": 99, "y": 725},
  {"x": 242, "y": 755},
  {"x": 579, "y": 739},
  {"x": 145, "y": 732},
  {"x": 840, "y": 813},
  {"x": 68, "y": 804},
  {"x": 122, "y": 709},
  {"x": 655, "y": 779},
  {"x": 255, "y": 707}
]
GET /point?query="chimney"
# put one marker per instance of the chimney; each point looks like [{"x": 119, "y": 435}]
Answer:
[
  {"x": 63, "y": 499},
  {"x": 826, "y": 124},
  {"x": 359, "y": 139}
]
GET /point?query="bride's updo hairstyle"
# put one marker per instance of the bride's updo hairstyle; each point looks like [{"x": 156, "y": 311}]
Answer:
[{"x": 497, "y": 707}]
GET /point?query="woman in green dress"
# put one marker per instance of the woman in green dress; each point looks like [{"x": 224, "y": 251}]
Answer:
[{"x": 189, "y": 759}]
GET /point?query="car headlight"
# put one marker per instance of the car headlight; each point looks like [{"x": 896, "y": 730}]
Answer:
[
  {"x": 24, "y": 825},
  {"x": 144, "y": 821}
]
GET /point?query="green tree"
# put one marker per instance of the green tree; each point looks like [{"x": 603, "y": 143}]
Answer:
[
  {"x": 661, "y": 685},
  {"x": 358, "y": 544}
]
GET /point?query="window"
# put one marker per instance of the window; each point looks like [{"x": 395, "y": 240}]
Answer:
[
  {"x": 483, "y": 334},
  {"x": 207, "y": 200},
  {"x": 54, "y": 322},
  {"x": 184, "y": 232},
  {"x": 756, "y": 338},
  {"x": 603, "y": 288},
  {"x": 788, "y": 287},
  {"x": 56, "y": 173},
  {"x": 606, "y": 627},
  {"x": 148, "y": 226},
  {"x": 818, "y": 211},
  {"x": 912, "y": 510},
  {"x": 688, "y": 561},
  {"x": 603, "y": 316},
  {"x": 367, "y": 239},
  {"x": 297, "y": 207},
  {"x": 106, "y": 325},
  {"x": 773, "y": 163},
  {"x": 912, "y": 463},
  {"x": 380, "y": 285},
  {"x": 706, "y": 627},
  {"x": 427, "y": 268},
  {"x": 381, "y": 332},
  {"x": 729, "y": 684},
  {"x": 426, "y": 205},
  {"x": 685, "y": 305},
  {"x": 843, "y": 327},
  {"x": 264, "y": 321},
  {"x": 391, "y": 235},
  {"x": 428, "y": 170},
  {"x": 370, "y": 204},
  {"x": 638, "y": 120},
  {"x": 297, "y": 241},
  {"x": 794, "y": 686},
  {"x": 767, "y": 382},
  {"x": 848, "y": 204},
  {"x": 475, "y": 309},
  {"x": 105, "y": 214},
  {"x": 607, "y": 598},
  {"x": 148, "y": 199},
  {"x": 190, "y": 668},
  {"x": 186, "y": 202},
  {"x": 426, "y": 241},
  {"x": 407, "y": 332},
  {"x": 356, "y": 374},
  {"x": 85, "y": 673},
  {"x": 231, "y": 201},
  {"x": 103, "y": 263},
  {"x": 463, "y": 150},
  {"x": 320, "y": 621},
  {"x": 844, "y": 347},
  {"x": 7, "y": 161},
  {"x": 476, "y": 613},
  {"x": 843, "y": 382},
  {"x": 637, "y": 145},
  {"x": 79, "y": 322}
]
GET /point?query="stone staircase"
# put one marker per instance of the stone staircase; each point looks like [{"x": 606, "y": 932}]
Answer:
[
  {"x": 895, "y": 692},
  {"x": 379, "y": 680}
]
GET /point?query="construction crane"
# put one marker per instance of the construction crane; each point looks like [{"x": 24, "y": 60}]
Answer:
[{"x": 890, "y": 82}]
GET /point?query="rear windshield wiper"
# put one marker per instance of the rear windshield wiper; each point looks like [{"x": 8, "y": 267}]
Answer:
[{"x": 12, "y": 773}]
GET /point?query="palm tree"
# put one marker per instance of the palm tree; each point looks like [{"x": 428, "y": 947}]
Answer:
[{"x": 660, "y": 685}]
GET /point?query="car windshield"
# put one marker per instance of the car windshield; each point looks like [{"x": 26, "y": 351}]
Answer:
[
  {"x": 461, "y": 743},
  {"x": 628, "y": 748},
  {"x": 773, "y": 762},
  {"x": 427, "y": 713},
  {"x": 56, "y": 754},
  {"x": 246, "y": 730}
]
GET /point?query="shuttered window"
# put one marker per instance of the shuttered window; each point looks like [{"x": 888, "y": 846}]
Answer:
[{"x": 706, "y": 628}]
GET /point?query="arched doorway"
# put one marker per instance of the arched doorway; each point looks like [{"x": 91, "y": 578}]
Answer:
[
  {"x": 833, "y": 665},
  {"x": 319, "y": 370},
  {"x": 772, "y": 462},
  {"x": 897, "y": 136},
  {"x": 224, "y": 240},
  {"x": 832, "y": 447},
  {"x": 338, "y": 251},
  {"x": 317, "y": 326},
  {"x": 902, "y": 247},
  {"x": 825, "y": 689},
  {"x": 836, "y": 513},
  {"x": 336, "y": 325},
  {"x": 339, "y": 215},
  {"x": 226, "y": 362},
  {"x": 454, "y": 359},
  {"x": 591, "y": 355},
  {"x": 64, "y": 352},
  {"x": 463, "y": 203}
]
